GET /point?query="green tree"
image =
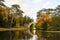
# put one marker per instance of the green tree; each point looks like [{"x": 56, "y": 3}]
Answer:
[
  {"x": 27, "y": 20},
  {"x": 16, "y": 9}
]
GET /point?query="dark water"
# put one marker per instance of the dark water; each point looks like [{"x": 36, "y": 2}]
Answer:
[{"x": 23, "y": 35}]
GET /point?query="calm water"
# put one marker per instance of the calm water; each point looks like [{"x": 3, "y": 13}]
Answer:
[{"x": 24, "y": 35}]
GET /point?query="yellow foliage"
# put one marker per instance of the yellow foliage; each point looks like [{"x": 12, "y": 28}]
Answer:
[
  {"x": 43, "y": 18},
  {"x": 4, "y": 12}
]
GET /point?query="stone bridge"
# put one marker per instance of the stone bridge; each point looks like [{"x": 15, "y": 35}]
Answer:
[
  {"x": 31, "y": 27},
  {"x": 24, "y": 29}
]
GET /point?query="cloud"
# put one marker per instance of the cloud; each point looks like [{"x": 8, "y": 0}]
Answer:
[
  {"x": 36, "y": 1},
  {"x": 49, "y": 4},
  {"x": 10, "y": 2}
]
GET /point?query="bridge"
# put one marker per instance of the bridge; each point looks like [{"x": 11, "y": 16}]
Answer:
[{"x": 23, "y": 29}]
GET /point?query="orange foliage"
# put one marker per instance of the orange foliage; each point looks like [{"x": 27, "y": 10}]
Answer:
[
  {"x": 4, "y": 8},
  {"x": 44, "y": 17},
  {"x": 4, "y": 13}
]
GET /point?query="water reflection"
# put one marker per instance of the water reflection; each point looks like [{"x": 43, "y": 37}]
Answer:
[
  {"x": 34, "y": 37},
  {"x": 23, "y": 35}
]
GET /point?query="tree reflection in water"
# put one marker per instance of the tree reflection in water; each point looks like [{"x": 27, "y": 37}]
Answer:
[
  {"x": 34, "y": 37},
  {"x": 25, "y": 36}
]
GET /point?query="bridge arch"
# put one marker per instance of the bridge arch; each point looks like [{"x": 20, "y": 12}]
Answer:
[{"x": 29, "y": 28}]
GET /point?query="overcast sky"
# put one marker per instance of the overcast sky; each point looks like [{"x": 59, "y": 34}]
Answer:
[{"x": 30, "y": 7}]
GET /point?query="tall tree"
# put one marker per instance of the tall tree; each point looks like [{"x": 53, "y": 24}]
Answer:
[
  {"x": 16, "y": 9},
  {"x": 25, "y": 20}
]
